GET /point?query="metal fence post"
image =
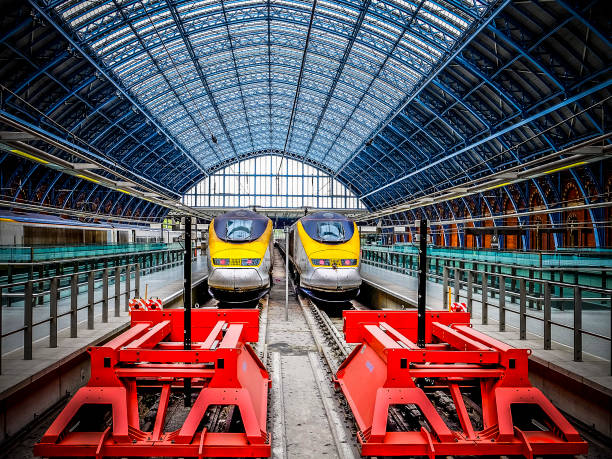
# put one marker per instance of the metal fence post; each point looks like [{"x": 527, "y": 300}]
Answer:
[
  {"x": 470, "y": 290},
  {"x": 445, "y": 287},
  {"x": 456, "y": 284},
  {"x": 53, "y": 311},
  {"x": 27, "y": 321},
  {"x": 127, "y": 287},
  {"x": 74, "y": 293},
  {"x": 502, "y": 303},
  {"x": 105, "y": 295},
  {"x": 137, "y": 280},
  {"x": 117, "y": 291},
  {"x": 577, "y": 324},
  {"x": 485, "y": 303},
  {"x": 90, "y": 300},
  {"x": 523, "y": 309},
  {"x": 547, "y": 315}
]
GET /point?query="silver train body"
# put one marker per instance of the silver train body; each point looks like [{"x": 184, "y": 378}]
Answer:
[{"x": 326, "y": 268}]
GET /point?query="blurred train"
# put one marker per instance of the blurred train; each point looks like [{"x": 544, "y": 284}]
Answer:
[
  {"x": 239, "y": 257},
  {"x": 324, "y": 250},
  {"x": 28, "y": 229}
]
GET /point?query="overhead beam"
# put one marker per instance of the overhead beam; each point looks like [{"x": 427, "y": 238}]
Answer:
[
  {"x": 104, "y": 73},
  {"x": 442, "y": 64},
  {"x": 16, "y": 135},
  {"x": 450, "y": 155}
]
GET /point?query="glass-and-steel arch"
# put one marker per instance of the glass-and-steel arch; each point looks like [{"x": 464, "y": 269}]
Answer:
[{"x": 314, "y": 78}]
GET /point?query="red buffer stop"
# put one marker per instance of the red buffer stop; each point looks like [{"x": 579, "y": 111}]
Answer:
[
  {"x": 223, "y": 369},
  {"x": 464, "y": 393}
]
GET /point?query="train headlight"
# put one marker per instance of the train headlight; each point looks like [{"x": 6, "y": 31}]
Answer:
[
  {"x": 349, "y": 262},
  {"x": 250, "y": 261},
  {"x": 320, "y": 262},
  {"x": 221, "y": 261}
]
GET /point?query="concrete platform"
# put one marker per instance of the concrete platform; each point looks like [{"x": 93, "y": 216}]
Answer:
[
  {"x": 55, "y": 372},
  {"x": 581, "y": 389}
]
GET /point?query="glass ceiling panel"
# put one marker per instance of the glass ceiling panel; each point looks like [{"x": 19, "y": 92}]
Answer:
[{"x": 229, "y": 77}]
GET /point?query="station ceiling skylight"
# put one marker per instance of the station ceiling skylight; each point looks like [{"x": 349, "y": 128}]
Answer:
[{"x": 313, "y": 78}]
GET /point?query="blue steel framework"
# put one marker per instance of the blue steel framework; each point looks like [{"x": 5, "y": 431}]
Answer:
[
  {"x": 270, "y": 181},
  {"x": 396, "y": 98}
]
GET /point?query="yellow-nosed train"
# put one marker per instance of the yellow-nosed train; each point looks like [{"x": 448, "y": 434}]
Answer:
[
  {"x": 239, "y": 257},
  {"x": 324, "y": 250}
]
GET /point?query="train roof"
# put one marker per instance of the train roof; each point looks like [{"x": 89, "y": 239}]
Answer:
[
  {"x": 323, "y": 215},
  {"x": 241, "y": 213}
]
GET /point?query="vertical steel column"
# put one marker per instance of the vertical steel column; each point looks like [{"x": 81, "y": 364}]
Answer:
[
  {"x": 117, "y": 291},
  {"x": 522, "y": 309},
  {"x": 547, "y": 316},
  {"x": 286, "y": 274},
  {"x": 502, "y": 303},
  {"x": 27, "y": 320},
  {"x": 484, "y": 299},
  {"x": 470, "y": 290},
  {"x": 53, "y": 296},
  {"x": 105, "y": 295},
  {"x": 74, "y": 293},
  {"x": 90, "y": 300},
  {"x": 128, "y": 288},
  {"x": 422, "y": 288},
  {"x": 137, "y": 280},
  {"x": 577, "y": 324},
  {"x": 456, "y": 285},
  {"x": 445, "y": 288},
  {"x": 187, "y": 303}
]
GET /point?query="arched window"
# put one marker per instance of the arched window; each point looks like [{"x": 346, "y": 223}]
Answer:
[{"x": 266, "y": 181}]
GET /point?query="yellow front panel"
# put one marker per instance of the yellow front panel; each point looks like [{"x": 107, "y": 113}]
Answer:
[
  {"x": 335, "y": 252},
  {"x": 237, "y": 251}
]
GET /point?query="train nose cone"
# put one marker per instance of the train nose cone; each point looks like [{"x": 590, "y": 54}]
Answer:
[
  {"x": 334, "y": 279},
  {"x": 236, "y": 279}
]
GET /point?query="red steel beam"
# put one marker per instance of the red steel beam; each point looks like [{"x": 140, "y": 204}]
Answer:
[
  {"x": 150, "y": 355},
  {"x": 384, "y": 369}
]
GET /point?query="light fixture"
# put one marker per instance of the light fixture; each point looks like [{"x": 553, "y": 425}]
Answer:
[
  {"x": 499, "y": 185},
  {"x": 88, "y": 178},
  {"x": 562, "y": 168},
  {"x": 29, "y": 156}
]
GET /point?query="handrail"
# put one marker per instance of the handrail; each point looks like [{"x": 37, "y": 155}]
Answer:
[{"x": 465, "y": 284}]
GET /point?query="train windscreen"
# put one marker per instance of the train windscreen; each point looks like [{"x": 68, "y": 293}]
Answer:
[
  {"x": 238, "y": 230},
  {"x": 328, "y": 227},
  {"x": 330, "y": 231},
  {"x": 240, "y": 226}
]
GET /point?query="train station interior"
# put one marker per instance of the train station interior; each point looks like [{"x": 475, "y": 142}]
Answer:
[{"x": 305, "y": 228}]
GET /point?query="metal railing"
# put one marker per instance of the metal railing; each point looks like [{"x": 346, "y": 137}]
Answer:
[
  {"x": 30, "y": 295},
  {"x": 148, "y": 261},
  {"x": 32, "y": 290},
  {"x": 13, "y": 254},
  {"x": 530, "y": 292}
]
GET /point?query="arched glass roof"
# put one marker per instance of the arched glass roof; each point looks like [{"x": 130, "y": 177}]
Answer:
[{"x": 313, "y": 78}]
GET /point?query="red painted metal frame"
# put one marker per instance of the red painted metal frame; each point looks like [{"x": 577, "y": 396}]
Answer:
[
  {"x": 382, "y": 369},
  {"x": 221, "y": 363}
]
